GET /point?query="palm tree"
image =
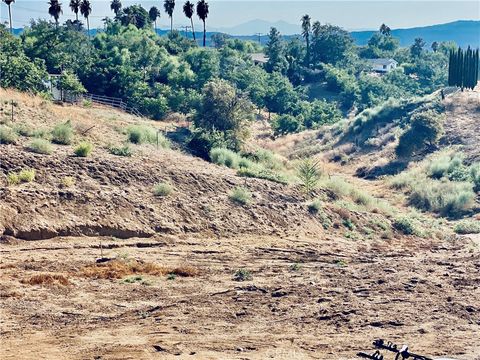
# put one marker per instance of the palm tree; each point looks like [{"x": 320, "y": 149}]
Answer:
[
  {"x": 86, "y": 10},
  {"x": 306, "y": 27},
  {"x": 75, "y": 6},
  {"x": 202, "y": 12},
  {"x": 55, "y": 9},
  {"x": 169, "y": 5},
  {"x": 188, "y": 10},
  {"x": 116, "y": 6},
  {"x": 9, "y": 3},
  {"x": 154, "y": 14}
]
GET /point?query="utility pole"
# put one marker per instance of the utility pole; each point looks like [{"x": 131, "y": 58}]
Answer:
[
  {"x": 186, "y": 29},
  {"x": 259, "y": 37}
]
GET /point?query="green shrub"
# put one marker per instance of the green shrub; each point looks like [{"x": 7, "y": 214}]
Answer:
[
  {"x": 83, "y": 149},
  {"x": 7, "y": 135},
  {"x": 225, "y": 157},
  {"x": 142, "y": 134},
  {"x": 257, "y": 171},
  {"x": 87, "y": 103},
  {"x": 315, "y": 206},
  {"x": 451, "y": 167},
  {"x": 467, "y": 227},
  {"x": 242, "y": 275},
  {"x": 425, "y": 129},
  {"x": 63, "y": 133},
  {"x": 475, "y": 176},
  {"x": 286, "y": 124},
  {"x": 444, "y": 197},
  {"x": 13, "y": 179},
  {"x": 241, "y": 196},
  {"x": 406, "y": 225},
  {"x": 26, "y": 175},
  {"x": 268, "y": 159},
  {"x": 120, "y": 151},
  {"x": 40, "y": 146},
  {"x": 162, "y": 189}
]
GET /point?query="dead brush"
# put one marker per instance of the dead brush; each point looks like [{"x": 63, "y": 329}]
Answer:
[
  {"x": 47, "y": 279},
  {"x": 118, "y": 269}
]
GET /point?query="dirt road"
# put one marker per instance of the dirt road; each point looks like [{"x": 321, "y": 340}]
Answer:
[{"x": 302, "y": 299}]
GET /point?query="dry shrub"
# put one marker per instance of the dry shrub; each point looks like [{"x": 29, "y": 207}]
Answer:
[
  {"x": 118, "y": 269},
  {"x": 47, "y": 279}
]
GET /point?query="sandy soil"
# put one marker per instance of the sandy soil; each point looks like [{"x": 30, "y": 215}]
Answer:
[{"x": 339, "y": 297}]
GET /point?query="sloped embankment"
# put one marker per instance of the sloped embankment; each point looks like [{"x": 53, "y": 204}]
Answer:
[{"x": 113, "y": 196}]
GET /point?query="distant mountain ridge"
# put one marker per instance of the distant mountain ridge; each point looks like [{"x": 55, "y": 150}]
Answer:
[{"x": 463, "y": 32}]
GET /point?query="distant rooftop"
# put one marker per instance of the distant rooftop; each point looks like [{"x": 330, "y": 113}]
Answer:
[
  {"x": 259, "y": 58},
  {"x": 382, "y": 61}
]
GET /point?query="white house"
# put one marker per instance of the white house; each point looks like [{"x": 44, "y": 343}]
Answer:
[
  {"x": 383, "y": 65},
  {"x": 259, "y": 58}
]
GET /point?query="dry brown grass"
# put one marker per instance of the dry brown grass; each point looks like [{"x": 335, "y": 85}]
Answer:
[
  {"x": 118, "y": 269},
  {"x": 47, "y": 279}
]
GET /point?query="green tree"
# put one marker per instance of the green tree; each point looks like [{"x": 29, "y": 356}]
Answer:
[
  {"x": 135, "y": 15},
  {"x": 275, "y": 52},
  {"x": 69, "y": 84},
  {"x": 116, "y": 6},
  {"x": 55, "y": 9},
  {"x": 202, "y": 12},
  {"x": 9, "y": 4},
  {"x": 417, "y": 48},
  {"x": 154, "y": 14},
  {"x": 188, "y": 10},
  {"x": 330, "y": 44},
  {"x": 224, "y": 109},
  {"x": 435, "y": 46},
  {"x": 169, "y": 6},
  {"x": 86, "y": 10},
  {"x": 306, "y": 28},
  {"x": 16, "y": 69}
]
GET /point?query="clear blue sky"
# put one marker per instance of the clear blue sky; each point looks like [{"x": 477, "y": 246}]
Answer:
[{"x": 353, "y": 14}]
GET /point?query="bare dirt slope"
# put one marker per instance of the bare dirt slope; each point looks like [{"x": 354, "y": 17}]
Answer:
[{"x": 169, "y": 284}]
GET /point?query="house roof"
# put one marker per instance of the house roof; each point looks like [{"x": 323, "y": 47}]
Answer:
[
  {"x": 259, "y": 57},
  {"x": 382, "y": 61}
]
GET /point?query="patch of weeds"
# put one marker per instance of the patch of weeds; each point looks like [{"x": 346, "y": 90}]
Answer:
[
  {"x": 467, "y": 227},
  {"x": 241, "y": 196},
  {"x": 171, "y": 276},
  {"x": 68, "y": 181},
  {"x": 144, "y": 134},
  {"x": 12, "y": 179},
  {"x": 315, "y": 206},
  {"x": 242, "y": 275},
  {"x": 83, "y": 149},
  {"x": 63, "y": 133},
  {"x": 295, "y": 267},
  {"x": 261, "y": 173},
  {"x": 340, "y": 263},
  {"x": 40, "y": 146},
  {"x": 348, "y": 223},
  {"x": 7, "y": 135},
  {"x": 406, "y": 225},
  {"x": 162, "y": 189},
  {"x": 121, "y": 150},
  {"x": 87, "y": 103},
  {"x": 26, "y": 175},
  {"x": 133, "y": 279}
]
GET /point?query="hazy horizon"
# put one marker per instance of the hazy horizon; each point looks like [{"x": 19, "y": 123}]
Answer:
[{"x": 352, "y": 15}]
